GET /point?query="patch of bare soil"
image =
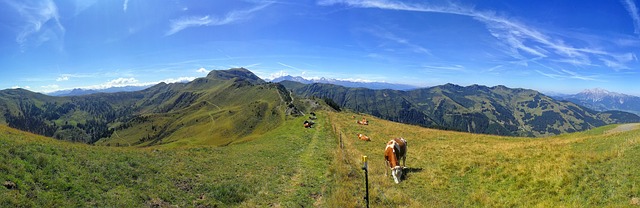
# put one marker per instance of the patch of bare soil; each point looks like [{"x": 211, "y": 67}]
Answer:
[{"x": 623, "y": 128}]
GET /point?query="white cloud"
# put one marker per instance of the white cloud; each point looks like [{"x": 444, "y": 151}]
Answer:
[
  {"x": 49, "y": 88},
  {"x": 202, "y": 70},
  {"x": 18, "y": 87},
  {"x": 180, "y": 24},
  {"x": 176, "y": 80},
  {"x": 630, "y": 6},
  {"x": 125, "y": 5},
  {"x": 277, "y": 74},
  {"x": 42, "y": 22},
  {"x": 122, "y": 82},
  {"x": 119, "y": 82},
  {"x": 62, "y": 78}
]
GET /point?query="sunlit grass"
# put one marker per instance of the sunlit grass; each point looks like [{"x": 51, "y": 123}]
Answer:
[
  {"x": 287, "y": 167},
  {"x": 291, "y": 166},
  {"x": 459, "y": 169}
]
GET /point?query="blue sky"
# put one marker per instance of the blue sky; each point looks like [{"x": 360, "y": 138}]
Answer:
[{"x": 550, "y": 46}]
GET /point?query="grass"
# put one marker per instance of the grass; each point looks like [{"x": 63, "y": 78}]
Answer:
[
  {"x": 221, "y": 115},
  {"x": 291, "y": 166},
  {"x": 286, "y": 167},
  {"x": 451, "y": 169}
]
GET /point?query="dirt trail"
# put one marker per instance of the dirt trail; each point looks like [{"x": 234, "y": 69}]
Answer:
[{"x": 623, "y": 128}]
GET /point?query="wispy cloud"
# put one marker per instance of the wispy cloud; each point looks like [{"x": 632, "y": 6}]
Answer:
[
  {"x": 444, "y": 67},
  {"x": 180, "y": 24},
  {"x": 495, "y": 68},
  {"x": 41, "y": 22},
  {"x": 62, "y": 78},
  {"x": 561, "y": 74},
  {"x": 388, "y": 36},
  {"x": 524, "y": 42},
  {"x": 613, "y": 64},
  {"x": 82, "y": 5},
  {"x": 630, "y": 6},
  {"x": 125, "y": 5},
  {"x": 289, "y": 66},
  {"x": 567, "y": 75}
]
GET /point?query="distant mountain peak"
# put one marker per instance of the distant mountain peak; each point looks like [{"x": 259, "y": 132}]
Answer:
[
  {"x": 232, "y": 73},
  {"x": 345, "y": 83},
  {"x": 595, "y": 91},
  {"x": 88, "y": 91},
  {"x": 599, "y": 94},
  {"x": 602, "y": 100}
]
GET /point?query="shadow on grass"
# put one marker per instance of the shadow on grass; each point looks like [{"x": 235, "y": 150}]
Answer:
[{"x": 407, "y": 171}]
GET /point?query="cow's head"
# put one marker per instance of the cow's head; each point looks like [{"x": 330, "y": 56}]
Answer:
[{"x": 396, "y": 172}]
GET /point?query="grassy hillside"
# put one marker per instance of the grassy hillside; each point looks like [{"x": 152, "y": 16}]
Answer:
[
  {"x": 291, "y": 166},
  {"x": 287, "y": 167},
  {"x": 448, "y": 169},
  {"x": 216, "y": 113},
  {"x": 478, "y": 109},
  {"x": 223, "y": 107}
]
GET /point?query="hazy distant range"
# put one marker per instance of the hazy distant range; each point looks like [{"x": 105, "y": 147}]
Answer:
[{"x": 596, "y": 99}]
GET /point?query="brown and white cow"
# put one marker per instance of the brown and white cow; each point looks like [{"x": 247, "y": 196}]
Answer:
[
  {"x": 396, "y": 149},
  {"x": 363, "y": 137},
  {"x": 363, "y": 122}
]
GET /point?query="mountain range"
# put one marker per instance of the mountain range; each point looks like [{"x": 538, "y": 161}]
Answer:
[
  {"x": 346, "y": 83},
  {"x": 477, "y": 109},
  {"x": 218, "y": 109},
  {"x": 82, "y": 91},
  {"x": 603, "y": 100},
  {"x": 234, "y": 105}
]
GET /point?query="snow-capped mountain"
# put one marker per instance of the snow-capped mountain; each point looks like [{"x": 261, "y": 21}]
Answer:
[
  {"x": 602, "y": 100},
  {"x": 597, "y": 95},
  {"x": 346, "y": 83}
]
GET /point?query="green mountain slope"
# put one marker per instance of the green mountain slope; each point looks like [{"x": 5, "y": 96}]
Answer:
[
  {"x": 226, "y": 106},
  {"x": 478, "y": 109},
  {"x": 291, "y": 166},
  {"x": 594, "y": 168},
  {"x": 281, "y": 168}
]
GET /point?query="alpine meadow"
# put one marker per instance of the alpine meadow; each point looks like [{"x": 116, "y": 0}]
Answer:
[
  {"x": 319, "y": 103},
  {"x": 274, "y": 161}
]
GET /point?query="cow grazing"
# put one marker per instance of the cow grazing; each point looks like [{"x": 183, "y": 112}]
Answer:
[
  {"x": 396, "y": 149},
  {"x": 363, "y": 121},
  {"x": 308, "y": 124},
  {"x": 363, "y": 137}
]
